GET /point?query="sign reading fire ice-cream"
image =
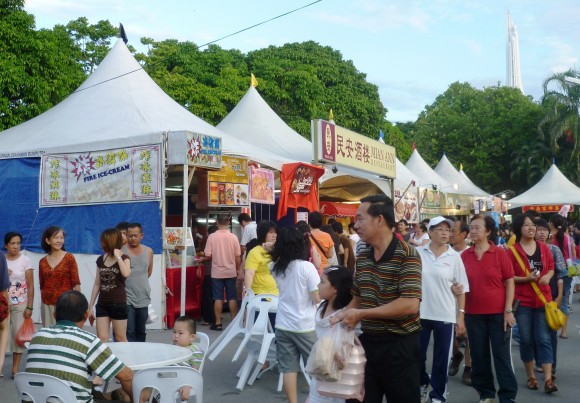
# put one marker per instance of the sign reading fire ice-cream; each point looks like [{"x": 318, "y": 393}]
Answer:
[{"x": 110, "y": 176}]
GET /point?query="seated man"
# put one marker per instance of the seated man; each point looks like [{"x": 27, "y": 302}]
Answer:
[{"x": 73, "y": 355}]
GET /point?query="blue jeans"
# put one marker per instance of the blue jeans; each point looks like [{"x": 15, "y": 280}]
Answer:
[
  {"x": 534, "y": 330},
  {"x": 442, "y": 342},
  {"x": 485, "y": 333},
  {"x": 136, "y": 322}
]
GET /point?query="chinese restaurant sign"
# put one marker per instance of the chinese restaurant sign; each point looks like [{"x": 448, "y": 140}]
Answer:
[
  {"x": 110, "y": 176},
  {"x": 553, "y": 208},
  {"x": 335, "y": 144},
  {"x": 229, "y": 186},
  {"x": 261, "y": 185},
  {"x": 204, "y": 151}
]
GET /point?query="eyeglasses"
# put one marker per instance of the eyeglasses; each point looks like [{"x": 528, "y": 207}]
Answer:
[{"x": 331, "y": 268}]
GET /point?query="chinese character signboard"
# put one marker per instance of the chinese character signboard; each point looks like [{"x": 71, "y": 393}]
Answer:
[
  {"x": 261, "y": 185},
  {"x": 552, "y": 208},
  {"x": 228, "y": 187},
  {"x": 304, "y": 177},
  {"x": 337, "y": 145},
  {"x": 110, "y": 176},
  {"x": 204, "y": 151}
]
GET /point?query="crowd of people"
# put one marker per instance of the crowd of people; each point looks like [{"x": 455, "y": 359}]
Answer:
[{"x": 398, "y": 288}]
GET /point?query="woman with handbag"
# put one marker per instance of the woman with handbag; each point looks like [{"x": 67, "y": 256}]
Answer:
[
  {"x": 21, "y": 292},
  {"x": 533, "y": 269}
]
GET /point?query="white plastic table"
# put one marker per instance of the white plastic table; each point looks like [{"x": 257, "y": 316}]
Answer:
[{"x": 138, "y": 356}]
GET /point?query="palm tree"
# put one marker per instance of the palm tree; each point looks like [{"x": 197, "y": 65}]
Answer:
[{"x": 561, "y": 123}]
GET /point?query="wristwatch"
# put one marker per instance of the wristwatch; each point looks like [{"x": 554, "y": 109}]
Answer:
[{"x": 509, "y": 311}]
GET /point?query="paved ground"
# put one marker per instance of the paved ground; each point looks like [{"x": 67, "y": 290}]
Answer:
[{"x": 220, "y": 375}]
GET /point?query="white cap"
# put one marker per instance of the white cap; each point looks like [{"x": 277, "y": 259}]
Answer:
[{"x": 438, "y": 220}]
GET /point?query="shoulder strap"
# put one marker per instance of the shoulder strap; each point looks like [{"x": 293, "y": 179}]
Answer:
[
  {"x": 320, "y": 248},
  {"x": 526, "y": 272}
]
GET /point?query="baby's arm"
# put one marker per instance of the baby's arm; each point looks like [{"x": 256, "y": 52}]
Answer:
[{"x": 184, "y": 393}]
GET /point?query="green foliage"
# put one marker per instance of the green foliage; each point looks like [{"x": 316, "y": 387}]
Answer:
[
  {"x": 93, "y": 41},
  {"x": 478, "y": 128},
  {"x": 36, "y": 68}
]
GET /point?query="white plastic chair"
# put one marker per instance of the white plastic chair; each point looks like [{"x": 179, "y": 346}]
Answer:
[
  {"x": 259, "y": 328},
  {"x": 41, "y": 388},
  {"x": 202, "y": 342},
  {"x": 236, "y": 328},
  {"x": 168, "y": 381}
]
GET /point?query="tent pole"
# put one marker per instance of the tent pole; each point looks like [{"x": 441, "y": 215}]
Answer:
[{"x": 184, "y": 239}]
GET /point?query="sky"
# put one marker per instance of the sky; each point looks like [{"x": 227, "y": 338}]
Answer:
[{"x": 412, "y": 50}]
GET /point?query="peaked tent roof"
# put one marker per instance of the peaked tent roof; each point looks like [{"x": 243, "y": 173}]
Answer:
[
  {"x": 119, "y": 105},
  {"x": 553, "y": 188},
  {"x": 466, "y": 178},
  {"x": 448, "y": 171},
  {"x": 427, "y": 176},
  {"x": 254, "y": 121}
]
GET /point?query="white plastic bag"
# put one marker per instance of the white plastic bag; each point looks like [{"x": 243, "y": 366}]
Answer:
[{"x": 330, "y": 354}]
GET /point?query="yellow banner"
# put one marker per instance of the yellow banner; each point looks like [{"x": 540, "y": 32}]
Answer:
[
  {"x": 337, "y": 145},
  {"x": 229, "y": 185}
]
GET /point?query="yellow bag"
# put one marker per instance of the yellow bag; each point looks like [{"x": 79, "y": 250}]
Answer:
[{"x": 554, "y": 316}]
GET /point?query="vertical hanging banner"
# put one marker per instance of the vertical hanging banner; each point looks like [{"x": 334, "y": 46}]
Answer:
[
  {"x": 261, "y": 185},
  {"x": 228, "y": 187},
  {"x": 109, "y": 176}
]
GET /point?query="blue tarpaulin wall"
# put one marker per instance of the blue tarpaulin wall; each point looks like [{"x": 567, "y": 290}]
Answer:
[{"x": 19, "y": 211}]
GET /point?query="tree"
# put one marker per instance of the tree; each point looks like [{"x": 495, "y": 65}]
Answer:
[
  {"x": 36, "y": 67},
  {"x": 478, "y": 128},
  {"x": 93, "y": 40}
]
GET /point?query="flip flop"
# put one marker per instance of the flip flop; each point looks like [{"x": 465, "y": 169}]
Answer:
[
  {"x": 563, "y": 337},
  {"x": 205, "y": 323},
  {"x": 218, "y": 327}
]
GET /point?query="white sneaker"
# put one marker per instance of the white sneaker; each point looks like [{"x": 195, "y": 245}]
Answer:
[
  {"x": 424, "y": 393},
  {"x": 487, "y": 400}
]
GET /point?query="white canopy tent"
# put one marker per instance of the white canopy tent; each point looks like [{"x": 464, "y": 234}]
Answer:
[
  {"x": 553, "y": 188},
  {"x": 446, "y": 170},
  {"x": 254, "y": 121},
  {"x": 427, "y": 177},
  {"x": 473, "y": 185},
  {"x": 118, "y": 106}
]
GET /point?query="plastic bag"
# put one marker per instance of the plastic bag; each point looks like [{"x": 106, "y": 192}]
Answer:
[
  {"x": 25, "y": 332},
  {"x": 352, "y": 383},
  {"x": 330, "y": 354}
]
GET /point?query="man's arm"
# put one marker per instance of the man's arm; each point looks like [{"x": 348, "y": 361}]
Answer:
[
  {"x": 150, "y": 268},
  {"x": 398, "y": 308},
  {"x": 125, "y": 377}
]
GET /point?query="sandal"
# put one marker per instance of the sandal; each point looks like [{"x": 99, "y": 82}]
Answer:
[
  {"x": 550, "y": 386},
  {"x": 204, "y": 323},
  {"x": 533, "y": 383},
  {"x": 217, "y": 327}
]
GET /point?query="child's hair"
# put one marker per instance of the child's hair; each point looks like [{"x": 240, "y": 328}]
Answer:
[
  {"x": 340, "y": 277},
  {"x": 189, "y": 322},
  {"x": 111, "y": 239},
  {"x": 49, "y": 233},
  {"x": 122, "y": 226}
]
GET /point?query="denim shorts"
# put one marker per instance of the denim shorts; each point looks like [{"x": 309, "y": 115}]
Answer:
[
  {"x": 229, "y": 284},
  {"x": 113, "y": 311}
]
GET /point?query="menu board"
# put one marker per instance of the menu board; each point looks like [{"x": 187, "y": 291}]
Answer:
[
  {"x": 228, "y": 187},
  {"x": 406, "y": 206},
  {"x": 261, "y": 185}
]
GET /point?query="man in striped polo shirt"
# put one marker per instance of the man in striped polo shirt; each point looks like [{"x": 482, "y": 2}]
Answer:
[
  {"x": 386, "y": 294},
  {"x": 73, "y": 355}
]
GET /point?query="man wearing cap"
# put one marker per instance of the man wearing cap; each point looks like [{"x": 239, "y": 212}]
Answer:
[
  {"x": 441, "y": 310},
  {"x": 386, "y": 293}
]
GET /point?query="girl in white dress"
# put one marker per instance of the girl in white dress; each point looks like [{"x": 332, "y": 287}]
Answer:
[{"x": 334, "y": 289}]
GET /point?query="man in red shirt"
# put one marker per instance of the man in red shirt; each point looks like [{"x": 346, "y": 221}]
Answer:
[{"x": 223, "y": 249}]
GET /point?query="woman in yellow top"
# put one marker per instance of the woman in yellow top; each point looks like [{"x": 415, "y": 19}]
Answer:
[{"x": 257, "y": 268}]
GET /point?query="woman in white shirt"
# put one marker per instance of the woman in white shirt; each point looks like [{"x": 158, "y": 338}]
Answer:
[
  {"x": 297, "y": 281},
  {"x": 420, "y": 237}
]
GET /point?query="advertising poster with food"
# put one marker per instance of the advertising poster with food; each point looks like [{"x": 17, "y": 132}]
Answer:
[
  {"x": 406, "y": 206},
  {"x": 228, "y": 187},
  {"x": 110, "y": 176},
  {"x": 261, "y": 185}
]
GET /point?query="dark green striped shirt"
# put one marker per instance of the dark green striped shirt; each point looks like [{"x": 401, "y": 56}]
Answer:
[
  {"x": 397, "y": 274},
  {"x": 73, "y": 355}
]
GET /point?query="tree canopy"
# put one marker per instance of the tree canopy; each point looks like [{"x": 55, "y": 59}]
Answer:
[{"x": 477, "y": 128}]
